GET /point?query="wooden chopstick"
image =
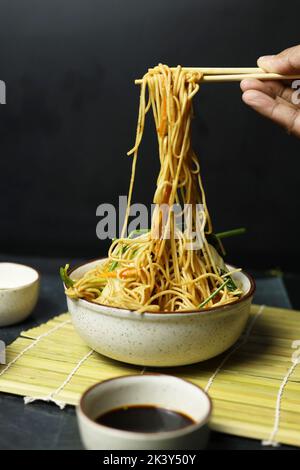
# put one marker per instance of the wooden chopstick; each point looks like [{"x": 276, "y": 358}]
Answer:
[
  {"x": 243, "y": 76},
  {"x": 233, "y": 74},
  {"x": 219, "y": 70}
]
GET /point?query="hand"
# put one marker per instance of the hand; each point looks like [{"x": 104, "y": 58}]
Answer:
[{"x": 273, "y": 98}]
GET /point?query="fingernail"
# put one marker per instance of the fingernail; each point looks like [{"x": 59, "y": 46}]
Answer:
[
  {"x": 266, "y": 57},
  {"x": 265, "y": 60},
  {"x": 251, "y": 97},
  {"x": 248, "y": 83},
  {"x": 255, "y": 98}
]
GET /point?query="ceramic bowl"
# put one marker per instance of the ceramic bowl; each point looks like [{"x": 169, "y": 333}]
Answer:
[
  {"x": 19, "y": 288},
  {"x": 158, "y": 390},
  {"x": 160, "y": 340}
]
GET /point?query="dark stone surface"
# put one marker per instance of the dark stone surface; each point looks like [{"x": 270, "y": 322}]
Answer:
[{"x": 45, "y": 426}]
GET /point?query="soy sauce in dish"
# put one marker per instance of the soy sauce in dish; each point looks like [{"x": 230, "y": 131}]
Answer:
[{"x": 144, "y": 418}]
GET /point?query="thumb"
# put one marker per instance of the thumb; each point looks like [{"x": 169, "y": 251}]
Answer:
[{"x": 286, "y": 63}]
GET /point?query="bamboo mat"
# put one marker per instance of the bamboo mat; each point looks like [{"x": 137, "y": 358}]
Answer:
[{"x": 255, "y": 386}]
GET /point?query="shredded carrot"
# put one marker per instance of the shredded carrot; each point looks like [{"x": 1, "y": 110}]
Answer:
[
  {"x": 162, "y": 130},
  {"x": 128, "y": 272},
  {"x": 107, "y": 274},
  {"x": 166, "y": 196}
]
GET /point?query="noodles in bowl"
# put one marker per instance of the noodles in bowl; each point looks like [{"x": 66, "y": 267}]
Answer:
[
  {"x": 163, "y": 296},
  {"x": 160, "y": 270}
]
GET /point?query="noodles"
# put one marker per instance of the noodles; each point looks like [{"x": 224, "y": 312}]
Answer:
[{"x": 160, "y": 270}]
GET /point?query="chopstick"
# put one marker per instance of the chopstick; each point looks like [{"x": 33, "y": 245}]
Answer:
[
  {"x": 233, "y": 74},
  {"x": 243, "y": 76},
  {"x": 219, "y": 70}
]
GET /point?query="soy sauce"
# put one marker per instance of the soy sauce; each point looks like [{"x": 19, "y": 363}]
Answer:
[{"x": 144, "y": 418}]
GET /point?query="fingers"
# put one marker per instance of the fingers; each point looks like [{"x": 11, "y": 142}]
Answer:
[
  {"x": 279, "y": 111},
  {"x": 273, "y": 99},
  {"x": 272, "y": 88},
  {"x": 286, "y": 62}
]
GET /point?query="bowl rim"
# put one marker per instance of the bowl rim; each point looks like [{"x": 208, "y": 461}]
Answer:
[
  {"x": 168, "y": 314},
  {"x": 22, "y": 286},
  {"x": 147, "y": 435}
]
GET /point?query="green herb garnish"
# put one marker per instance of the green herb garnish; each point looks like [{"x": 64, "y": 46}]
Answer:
[
  {"x": 215, "y": 239},
  {"x": 114, "y": 264},
  {"x": 68, "y": 282},
  {"x": 214, "y": 293},
  {"x": 231, "y": 284},
  {"x": 231, "y": 233},
  {"x": 138, "y": 231}
]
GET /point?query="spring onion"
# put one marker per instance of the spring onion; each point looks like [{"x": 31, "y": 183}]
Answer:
[
  {"x": 68, "y": 282},
  {"x": 214, "y": 293},
  {"x": 231, "y": 233}
]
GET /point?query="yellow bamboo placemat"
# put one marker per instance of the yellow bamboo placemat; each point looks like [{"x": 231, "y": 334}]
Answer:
[{"x": 255, "y": 386}]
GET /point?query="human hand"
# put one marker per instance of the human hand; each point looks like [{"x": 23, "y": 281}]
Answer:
[{"x": 273, "y": 98}]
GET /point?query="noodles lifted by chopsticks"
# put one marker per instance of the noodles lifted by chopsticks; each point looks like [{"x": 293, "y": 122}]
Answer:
[{"x": 152, "y": 272}]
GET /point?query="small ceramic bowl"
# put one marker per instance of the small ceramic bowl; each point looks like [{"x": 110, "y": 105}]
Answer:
[
  {"x": 160, "y": 339},
  {"x": 158, "y": 390},
  {"x": 19, "y": 288}
]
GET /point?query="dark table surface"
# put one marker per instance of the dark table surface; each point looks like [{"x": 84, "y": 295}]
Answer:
[{"x": 45, "y": 426}]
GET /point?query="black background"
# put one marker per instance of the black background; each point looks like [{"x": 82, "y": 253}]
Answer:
[{"x": 70, "y": 117}]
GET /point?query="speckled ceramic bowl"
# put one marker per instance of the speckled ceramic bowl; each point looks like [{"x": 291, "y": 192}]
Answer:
[
  {"x": 19, "y": 288},
  {"x": 160, "y": 340}
]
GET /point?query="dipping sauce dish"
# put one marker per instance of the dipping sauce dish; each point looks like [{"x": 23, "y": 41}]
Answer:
[{"x": 189, "y": 409}]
